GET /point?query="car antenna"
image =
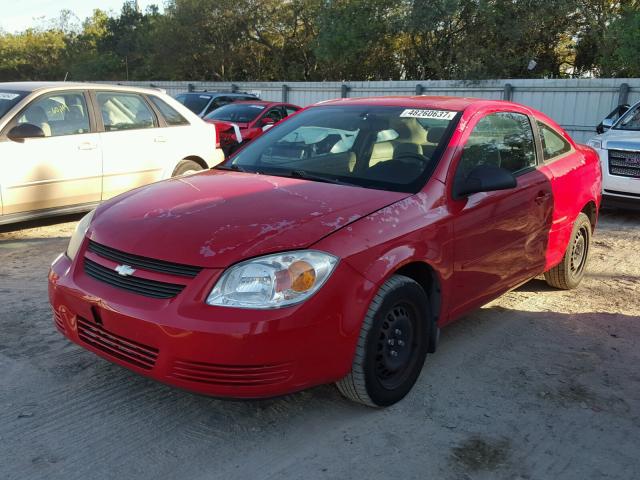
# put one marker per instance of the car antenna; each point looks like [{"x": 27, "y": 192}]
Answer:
[{"x": 65, "y": 76}]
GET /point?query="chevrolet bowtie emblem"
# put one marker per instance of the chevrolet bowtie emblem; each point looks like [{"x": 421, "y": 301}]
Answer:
[{"x": 125, "y": 270}]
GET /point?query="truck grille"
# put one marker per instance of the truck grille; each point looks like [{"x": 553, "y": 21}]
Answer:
[
  {"x": 141, "y": 286},
  {"x": 624, "y": 164},
  {"x": 150, "y": 264}
]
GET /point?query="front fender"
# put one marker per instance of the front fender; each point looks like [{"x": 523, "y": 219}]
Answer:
[{"x": 415, "y": 229}]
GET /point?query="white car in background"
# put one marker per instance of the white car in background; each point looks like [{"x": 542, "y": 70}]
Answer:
[
  {"x": 619, "y": 150},
  {"x": 64, "y": 147}
]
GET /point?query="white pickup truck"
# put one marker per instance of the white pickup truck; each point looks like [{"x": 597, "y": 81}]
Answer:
[{"x": 619, "y": 150}]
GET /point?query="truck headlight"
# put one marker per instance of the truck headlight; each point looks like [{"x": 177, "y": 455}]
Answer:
[
  {"x": 78, "y": 235},
  {"x": 595, "y": 143},
  {"x": 273, "y": 281}
]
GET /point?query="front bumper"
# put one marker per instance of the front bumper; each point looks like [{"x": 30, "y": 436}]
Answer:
[{"x": 219, "y": 351}]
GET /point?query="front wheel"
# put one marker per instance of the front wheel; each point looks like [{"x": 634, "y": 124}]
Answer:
[
  {"x": 392, "y": 346},
  {"x": 186, "y": 167},
  {"x": 569, "y": 272}
]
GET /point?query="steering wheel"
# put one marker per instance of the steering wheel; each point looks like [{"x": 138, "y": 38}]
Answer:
[{"x": 415, "y": 156}]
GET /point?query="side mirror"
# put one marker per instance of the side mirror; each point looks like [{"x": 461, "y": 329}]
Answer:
[
  {"x": 25, "y": 130},
  {"x": 267, "y": 123},
  {"x": 607, "y": 123},
  {"x": 486, "y": 178}
]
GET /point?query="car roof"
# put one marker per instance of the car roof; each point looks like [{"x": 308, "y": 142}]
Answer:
[
  {"x": 258, "y": 102},
  {"x": 52, "y": 86},
  {"x": 421, "y": 101},
  {"x": 217, "y": 94}
]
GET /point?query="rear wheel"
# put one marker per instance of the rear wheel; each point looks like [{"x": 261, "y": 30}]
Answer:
[
  {"x": 186, "y": 167},
  {"x": 569, "y": 272},
  {"x": 392, "y": 345}
]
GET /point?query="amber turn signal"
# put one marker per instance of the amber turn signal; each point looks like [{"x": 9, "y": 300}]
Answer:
[{"x": 302, "y": 275}]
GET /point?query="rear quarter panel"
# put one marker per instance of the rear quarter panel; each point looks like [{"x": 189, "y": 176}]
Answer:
[{"x": 577, "y": 181}]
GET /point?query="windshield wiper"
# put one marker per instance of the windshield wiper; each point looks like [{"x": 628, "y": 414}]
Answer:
[
  {"x": 230, "y": 168},
  {"x": 318, "y": 178}
]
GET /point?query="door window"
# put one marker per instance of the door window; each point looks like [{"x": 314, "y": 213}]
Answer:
[
  {"x": 553, "y": 145},
  {"x": 171, "y": 116},
  {"x": 124, "y": 111},
  {"x": 503, "y": 139},
  {"x": 58, "y": 114}
]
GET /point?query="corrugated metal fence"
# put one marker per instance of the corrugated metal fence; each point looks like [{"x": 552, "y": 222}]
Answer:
[{"x": 578, "y": 105}]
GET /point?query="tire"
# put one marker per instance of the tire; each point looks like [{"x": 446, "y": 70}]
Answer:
[
  {"x": 186, "y": 167},
  {"x": 397, "y": 321},
  {"x": 569, "y": 272}
]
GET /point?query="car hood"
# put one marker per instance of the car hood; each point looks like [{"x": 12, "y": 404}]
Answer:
[
  {"x": 217, "y": 218},
  {"x": 621, "y": 139}
]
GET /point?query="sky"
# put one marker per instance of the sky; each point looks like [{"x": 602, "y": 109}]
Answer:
[{"x": 18, "y": 15}]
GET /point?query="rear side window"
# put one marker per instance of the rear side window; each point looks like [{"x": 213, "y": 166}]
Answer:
[
  {"x": 503, "y": 139},
  {"x": 171, "y": 116},
  {"x": 124, "y": 111},
  {"x": 553, "y": 144}
]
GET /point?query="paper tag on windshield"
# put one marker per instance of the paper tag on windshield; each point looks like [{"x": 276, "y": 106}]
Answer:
[
  {"x": 437, "y": 114},
  {"x": 8, "y": 96}
]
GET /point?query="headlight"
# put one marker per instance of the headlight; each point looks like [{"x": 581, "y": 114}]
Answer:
[
  {"x": 273, "y": 281},
  {"x": 595, "y": 143},
  {"x": 78, "y": 235}
]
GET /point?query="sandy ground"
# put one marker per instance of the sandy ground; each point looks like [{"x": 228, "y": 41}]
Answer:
[{"x": 541, "y": 384}]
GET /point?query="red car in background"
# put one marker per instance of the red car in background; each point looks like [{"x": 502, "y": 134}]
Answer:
[
  {"x": 240, "y": 122},
  {"x": 331, "y": 249}
]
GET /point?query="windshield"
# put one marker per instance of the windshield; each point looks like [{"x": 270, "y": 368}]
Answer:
[
  {"x": 195, "y": 103},
  {"x": 387, "y": 148},
  {"x": 9, "y": 99},
  {"x": 630, "y": 120},
  {"x": 236, "y": 112}
]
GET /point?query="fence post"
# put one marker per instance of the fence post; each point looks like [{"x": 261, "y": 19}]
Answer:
[
  {"x": 190, "y": 87},
  {"x": 234, "y": 88},
  {"x": 507, "y": 93},
  {"x": 344, "y": 91},
  {"x": 285, "y": 93},
  {"x": 419, "y": 89},
  {"x": 623, "y": 95}
]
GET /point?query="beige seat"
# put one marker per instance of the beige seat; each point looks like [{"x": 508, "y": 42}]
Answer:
[
  {"x": 410, "y": 133},
  {"x": 36, "y": 116}
]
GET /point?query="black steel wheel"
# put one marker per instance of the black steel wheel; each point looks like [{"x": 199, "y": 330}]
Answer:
[
  {"x": 392, "y": 346},
  {"x": 569, "y": 272}
]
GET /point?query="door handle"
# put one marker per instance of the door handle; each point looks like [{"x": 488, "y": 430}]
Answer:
[
  {"x": 87, "y": 146},
  {"x": 160, "y": 139},
  {"x": 542, "y": 197}
]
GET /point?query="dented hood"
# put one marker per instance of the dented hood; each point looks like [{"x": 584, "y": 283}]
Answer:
[{"x": 217, "y": 218}]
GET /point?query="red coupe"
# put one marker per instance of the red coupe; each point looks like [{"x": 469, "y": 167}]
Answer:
[
  {"x": 240, "y": 122},
  {"x": 331, "y": 249}
]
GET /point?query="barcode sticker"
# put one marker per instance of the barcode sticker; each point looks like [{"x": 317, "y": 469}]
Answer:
[{"x": 437, "y": 114}]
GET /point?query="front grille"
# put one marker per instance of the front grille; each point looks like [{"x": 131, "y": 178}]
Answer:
[
  {"x": 247, "y": 376},
  {"x": 134, "y": 353},
  {"x": 624, "y": 164},
  {"x": 141, "y": 286},
  {"x": 150, "y": 264}
]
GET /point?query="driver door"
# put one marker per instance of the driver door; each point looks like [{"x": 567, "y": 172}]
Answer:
[
  {"x": 500, "y": 237},
  {"x": 61, "y": 169}
]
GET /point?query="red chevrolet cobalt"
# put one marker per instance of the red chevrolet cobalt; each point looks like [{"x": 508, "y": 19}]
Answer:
[{"x": 331, "y": 249}]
